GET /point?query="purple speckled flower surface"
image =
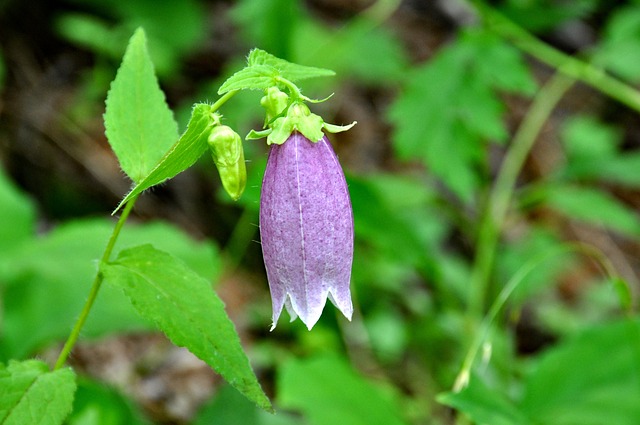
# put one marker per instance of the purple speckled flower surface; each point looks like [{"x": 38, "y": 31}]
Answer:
[{"x": 306, "y": 229}]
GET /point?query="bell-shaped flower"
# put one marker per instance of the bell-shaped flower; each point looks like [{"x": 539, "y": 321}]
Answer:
[{"x": 306, "y": 228}]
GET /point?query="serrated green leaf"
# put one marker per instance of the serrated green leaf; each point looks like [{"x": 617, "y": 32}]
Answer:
[
  {"x": 449, "y": 111},
  {"x": 590, "y": 379},
  {"x": 139, "y": 124},
  {"x": 286, "y": 69},
  {"x": 31, "y": 394},
  {"x": 593, "y": 206},
  {"x": 182, "y": 155},
  {"x": 484, "y": 405},
  {"x": 263, "y": 69},
  {"x": 183, "y": 305},
  {"x": 257, "y": 77},
  {"x": 328, "y": 391}
]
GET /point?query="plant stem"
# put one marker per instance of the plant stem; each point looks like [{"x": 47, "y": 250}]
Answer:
[
  {"x": 228, "y": 95},
  {"x": 586, "y": 72},
  {"x": 502, "y": 192},
  {"x": 590, "y": 251},
  {"x": 95, "y": 288}
]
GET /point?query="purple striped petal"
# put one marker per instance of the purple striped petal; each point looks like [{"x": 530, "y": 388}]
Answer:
[{"x": 306, "y": 228}]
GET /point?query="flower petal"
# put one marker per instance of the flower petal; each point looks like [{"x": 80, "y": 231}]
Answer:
[{"x": 306, "y": 226}]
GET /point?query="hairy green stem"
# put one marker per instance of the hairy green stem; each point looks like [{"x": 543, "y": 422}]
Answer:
[
  {"x": 95, "y": 288},
  {"x": 502, "y": 192},
  {"x": 218, "y": 103},
  {"x": 583, "y": 71},
  {"x": 97, "y": 281}
]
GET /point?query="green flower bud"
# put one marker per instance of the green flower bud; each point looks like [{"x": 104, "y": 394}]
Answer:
[
  {"x": 228, "y": 155},
  {"x": 274, "y": 102}
]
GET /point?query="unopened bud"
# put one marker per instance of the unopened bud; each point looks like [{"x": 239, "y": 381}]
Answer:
[{"x": 228, "y": 155}]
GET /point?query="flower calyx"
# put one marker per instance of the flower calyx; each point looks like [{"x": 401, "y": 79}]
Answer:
[{"x": 284, "y": 115}]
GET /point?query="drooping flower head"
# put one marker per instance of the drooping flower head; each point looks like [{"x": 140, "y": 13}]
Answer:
[{"x": 306, "y": 220}]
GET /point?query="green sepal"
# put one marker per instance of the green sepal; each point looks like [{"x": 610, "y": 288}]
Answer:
[
  {"x": 255, "y": 135},
  {"x": 334, "y": 128},
  {"x": 298, "y": 118}
]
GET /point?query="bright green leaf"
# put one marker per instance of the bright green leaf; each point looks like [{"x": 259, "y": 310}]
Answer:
[
  {"x": 256, "y": 77},
  {"x": 139, "y": 124},
  {"x": 590, "y": 379},
  {"x": 31, "y": 394},
  {"x": 263, "y": 69},
  {"x": 484, "y": 405},
  {"x": 593, "y": 206},
  {"x": 286, "y": 69},
  {"x": 183, "y": 305},
  {"x": 329, "y": 392},
  {"x": 182, "y": 155}
]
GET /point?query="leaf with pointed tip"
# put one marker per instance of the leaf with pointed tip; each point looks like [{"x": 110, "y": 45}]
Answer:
[
  {"x": 182, "y": 155},
  {"x": 139, "y": 124},
  {"x": 258, "y": 77},
  {"x": 286, "y": 69},
  {"x": 31, "y": 394},
  {"x": 183, "y": 305}
]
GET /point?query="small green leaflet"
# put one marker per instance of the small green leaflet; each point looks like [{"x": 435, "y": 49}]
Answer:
[
  {"x": 183, "y": 305},
  {"x": 31, "y": 394},
  {"x": 263, "y": 70},
  {"x": 258, "y": 77},
  {"x": 288, "y": 70},
  {"x": 182, "y": 155},
  {"x": 139, "y": 124}
]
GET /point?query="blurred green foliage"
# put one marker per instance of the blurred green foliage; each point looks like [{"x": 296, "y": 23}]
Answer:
[{"x": 449, "y": 119}]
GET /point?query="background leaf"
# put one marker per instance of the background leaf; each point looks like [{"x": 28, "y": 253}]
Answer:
[
  {"x": 329, "y": 392},
  {"x": 485, "y": 405},
  {"x": 62, "y": 265},
  {"x": 593, "y": 206},
  {"x": 17, "y": 215},
  {"x": 30, "y": 394},
  {"x": 591, "y": 379},
  {"x": 183, "y": 305},
  {"x": 449, "y": 111},
  {"x": 97, "y": 404},
  {"x": 139, "y": 124}
]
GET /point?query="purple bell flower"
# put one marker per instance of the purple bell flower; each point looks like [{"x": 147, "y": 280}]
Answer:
[{"x": 306, "y": 228}]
